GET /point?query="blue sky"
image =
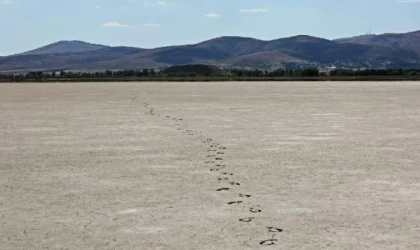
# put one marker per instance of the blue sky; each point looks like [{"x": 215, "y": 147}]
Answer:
[{"x": 27, "y": 24}]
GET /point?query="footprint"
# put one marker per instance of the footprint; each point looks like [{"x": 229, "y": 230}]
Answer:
[
  {"x": 274, "y": 230},
  {"x": 223, "y": 189},
  {"x": 270, "y": 242},
  {"x": 214, "y": 170},
  {"x": 245, "y": 195},
  {"x": 246, "y": 220},
  {"x": 225, "y": 173},
  {"x": 219, "y": 159},
  {"x": 234, "y": 202},
  {"x": 234, "y": 183},
  {"x": 223, "y": 179},
  {"x": 255, "y": 210}
]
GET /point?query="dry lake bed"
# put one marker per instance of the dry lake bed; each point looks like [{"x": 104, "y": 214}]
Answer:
[{"x": 314, "y": 165}]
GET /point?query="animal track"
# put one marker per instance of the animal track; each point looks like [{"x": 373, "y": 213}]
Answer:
[
  {"x": 216, "y": 152},
  {"x": 246, "y": 220},
  {"x": 234, "y": 202},
  {"x": 225, "y": 173},
  {"x": 274, "y": 230},
  {"x": 255, "y": 210},
  {"x": 270, "y": 242}
]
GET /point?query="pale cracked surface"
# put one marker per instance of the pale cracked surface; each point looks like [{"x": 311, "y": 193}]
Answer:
[{"x": 127, "y": 166}]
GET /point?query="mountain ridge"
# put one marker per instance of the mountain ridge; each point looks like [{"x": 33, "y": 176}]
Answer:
[
  {"x": 227, "y": 51},
  {"x": 64, "y": 46},
  {"x": 409, "y": 40}
]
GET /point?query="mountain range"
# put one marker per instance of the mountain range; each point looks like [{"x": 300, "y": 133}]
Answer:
[{"x": 386, "y": 50}]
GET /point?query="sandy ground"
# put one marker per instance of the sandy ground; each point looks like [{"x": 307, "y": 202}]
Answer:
[{"x": 210, "y": 166}]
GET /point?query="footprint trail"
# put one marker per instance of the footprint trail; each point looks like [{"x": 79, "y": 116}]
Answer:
[{"x": 214, "y": 161}]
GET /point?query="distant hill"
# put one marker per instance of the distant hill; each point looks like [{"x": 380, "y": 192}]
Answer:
[
  {"x": 409, "y": 40},
  {"x": 65, "y": 47},
  {"x": 388, "y": 50},
  {"x": 67, "y": 61},
  {"x": 274, "y": 59},
  {"x": 197, "y": 69}
]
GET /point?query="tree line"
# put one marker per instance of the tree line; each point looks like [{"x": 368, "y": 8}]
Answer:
[
  {"x": 376, "y": 72},
  {"x": 150, "y": 73},
  {"x": 38, "y": 76},
  {"x": 311, "y": 71}
]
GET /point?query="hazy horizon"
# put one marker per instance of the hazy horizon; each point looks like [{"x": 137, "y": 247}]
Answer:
[{"x": 151, "y": 24}]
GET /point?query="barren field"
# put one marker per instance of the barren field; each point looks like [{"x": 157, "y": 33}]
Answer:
[{"x": 210, "y": 165}]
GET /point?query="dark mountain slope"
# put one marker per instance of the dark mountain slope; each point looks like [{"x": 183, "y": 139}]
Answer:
[
  {"x": 65, "y": 47},
  {"x": 78, "y": 60},
  {"x": 233, "y": 46},
  {"x": 223, "y": 51},
  {"x": 409, "y": 40},
  {"x": 326, "y": 51},
  {"x": 263, "y": 60},
  {"x": 212, "y": 50}
]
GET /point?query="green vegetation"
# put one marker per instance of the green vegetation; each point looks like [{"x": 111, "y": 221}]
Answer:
[
  {"x": 376, "y": 72},
  {"x": 213, "y": 73},
  {"x": 194, "y": 70},
  {"x": 276, "y": 73}
]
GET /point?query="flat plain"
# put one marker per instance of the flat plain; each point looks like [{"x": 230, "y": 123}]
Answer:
[{"x": 302, "y": 165}]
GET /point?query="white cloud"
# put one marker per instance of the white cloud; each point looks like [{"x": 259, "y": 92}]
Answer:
[
  {"x": 256, "y": 10},
  {"x": 158, "y": 3},
  {"x": 163, "y": 3},
  {"x": 151, "y": 25},
  {"x": 212, "y": 15},
  {"x": 115, "y": 25}
]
